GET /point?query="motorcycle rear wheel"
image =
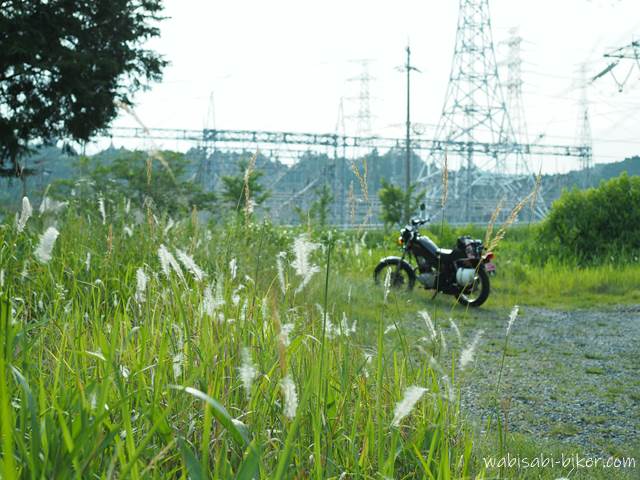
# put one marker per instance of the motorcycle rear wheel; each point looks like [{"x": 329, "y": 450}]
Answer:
[{"x": 478, "y": 292}]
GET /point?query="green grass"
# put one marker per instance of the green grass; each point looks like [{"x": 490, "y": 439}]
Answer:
[{"x": 97, "y": 384}]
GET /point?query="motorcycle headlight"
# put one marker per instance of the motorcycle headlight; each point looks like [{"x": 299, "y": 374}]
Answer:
[{"x": 400, "y": 240}]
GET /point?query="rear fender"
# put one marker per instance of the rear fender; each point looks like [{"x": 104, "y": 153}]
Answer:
[{"x": 476, "y": 263}]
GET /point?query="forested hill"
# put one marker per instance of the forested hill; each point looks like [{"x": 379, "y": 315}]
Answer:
[{"x": 281, "y": 178}]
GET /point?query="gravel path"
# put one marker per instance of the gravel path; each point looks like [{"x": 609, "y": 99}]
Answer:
[{"x": 571, "y": 376}]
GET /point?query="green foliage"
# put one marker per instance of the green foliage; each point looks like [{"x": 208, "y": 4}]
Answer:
[
  {"x": 235, "y": 186},
  {"x": 398, "y": 205},
  {"x": 157, "y": 181},
  {"x": 319, "y": 211},
  {"x": 595, "y": 224},
  {"x": 64, "y": 66},
  {"x": 115, "y": 384}
]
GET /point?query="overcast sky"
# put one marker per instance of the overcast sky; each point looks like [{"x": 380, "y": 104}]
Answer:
[{"x": 285, "y": 64}]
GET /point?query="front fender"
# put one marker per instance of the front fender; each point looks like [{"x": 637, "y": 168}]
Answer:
[{"x": 393, "y": 260}]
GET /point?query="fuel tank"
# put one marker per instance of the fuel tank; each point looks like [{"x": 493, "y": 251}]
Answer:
[{"x": 424, "y": 247}]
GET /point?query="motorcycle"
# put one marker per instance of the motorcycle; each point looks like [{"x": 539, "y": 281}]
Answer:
[{"x": 460, "y": 271}]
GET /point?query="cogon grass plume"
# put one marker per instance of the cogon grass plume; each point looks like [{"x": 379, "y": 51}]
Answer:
[
  {"x": 290, "y": 397},
  {"x": 249, "y": 203},
  {"x": 466, "y": 356},
  {"x": 247, "y": 371},
  {"x": 168, "y": 263},
  {"x": 455, "y": 329},
  {"x": 512, "y": 317},
  {"x": 302, "y": 249},
  {"x": 141, "y": 285},
  {"x": 429, "y": 323},
  {"x": 190, "y": 265},
  {"x": 101, "y": 209},
  {"x": 25, "y": 214},
  {"x": 280, "y": 267},
  {"x": 45, "y": 247},
  {"x": 403, "y": 408},
  {"x": 387, "y": 284},
  {"x": 233, "y": 268}
]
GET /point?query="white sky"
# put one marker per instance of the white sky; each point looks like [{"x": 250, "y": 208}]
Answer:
[{"x": 284, "y": 65}]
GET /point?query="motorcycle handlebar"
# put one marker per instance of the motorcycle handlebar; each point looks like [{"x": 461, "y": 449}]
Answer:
[{"x": 419, "y": 221}]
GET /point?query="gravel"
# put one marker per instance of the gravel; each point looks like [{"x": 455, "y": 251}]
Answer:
[{"x": 570, "y": 376}]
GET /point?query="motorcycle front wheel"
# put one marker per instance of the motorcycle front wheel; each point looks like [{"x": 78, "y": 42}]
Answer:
[
  {"x": 477, "y": 292},
  {"x": 401, "y": 277}
]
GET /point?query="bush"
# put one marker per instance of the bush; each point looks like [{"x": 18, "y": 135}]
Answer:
[{"x": 591, "y": 226}]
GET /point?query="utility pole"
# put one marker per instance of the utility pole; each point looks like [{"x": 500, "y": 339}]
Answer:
[{"x": 407, "y": 166}]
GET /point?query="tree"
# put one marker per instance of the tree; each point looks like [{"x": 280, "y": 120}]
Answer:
[
  {"x": 320, "y": 208},
  {"x": 397, "y": 205},
  {"x": 65, "y": 66},
  {"x": 236, "y": 187},
  {"x": 158, "y": 180}
]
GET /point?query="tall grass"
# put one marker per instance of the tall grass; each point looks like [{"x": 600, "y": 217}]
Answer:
[{"x": 114, "y": 365}]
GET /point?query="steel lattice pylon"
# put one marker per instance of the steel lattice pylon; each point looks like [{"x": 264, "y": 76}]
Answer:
[{"x": 475, "y": 112}]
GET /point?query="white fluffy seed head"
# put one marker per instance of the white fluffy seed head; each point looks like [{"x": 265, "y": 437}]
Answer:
[
  {"x": 45, "y": 247},
  {"x": 512, "y": 317},
  {"x": 25, "y": 214},
  {"x": 302, "y": 249},
  {"x": 466, "y": 356},
  {"x": 233, "y": 268},
  {"x": 247, "y": 371},
  {"x": 455, "y": 329},
  {"x": 290, "y": 397},
  {"x": 285, "y": 331},
  {"x": 190, "y": 265},
  {"x": 101, "y": 209},
  {"x": 141, "y": 285},
  {"x": 168, "y": 262},
  {"x": 178, "y": 360},
  {"x": 169, "y": 226},
  {"x": 429, "y": 323},
  {"x": 403, "y": 408},
  {"x": 211, "y": 302},
  {"x": 280, "y": 266},
  {"x": 387, "y": 284}
]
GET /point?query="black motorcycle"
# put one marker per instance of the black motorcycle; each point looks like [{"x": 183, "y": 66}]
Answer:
[{"x": 460, "y": 271}]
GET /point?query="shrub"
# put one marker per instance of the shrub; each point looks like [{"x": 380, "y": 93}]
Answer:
[{"x": 593, "y": 225}]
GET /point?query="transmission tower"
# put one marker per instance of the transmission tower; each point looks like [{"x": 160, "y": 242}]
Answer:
[
  {"x": 515, "y": 104},
  {"x": 475, "y": 112},
  {"x": 618, "y": 56},
  {"x": 205, "y": 173},
  {"x": 362, "y": 117},
  {"x": 584, "y": 139}
]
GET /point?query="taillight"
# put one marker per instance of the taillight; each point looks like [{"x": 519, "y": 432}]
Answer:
[
  {"x": 400, "y": 241},
  {"x": 489, "y": 256}
]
